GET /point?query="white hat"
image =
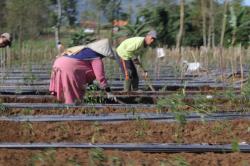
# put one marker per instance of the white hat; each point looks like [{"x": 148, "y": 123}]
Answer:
[{"x": 8, "y": 37}]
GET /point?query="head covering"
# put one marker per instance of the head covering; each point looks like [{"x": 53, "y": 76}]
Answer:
[
  {"x": 103, "y": 47},
  {"x": 152, "y": 33},
  {"x": 8, "y": 37}
]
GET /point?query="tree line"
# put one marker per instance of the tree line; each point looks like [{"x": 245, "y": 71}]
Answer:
[{"x": 207, "y": 23}]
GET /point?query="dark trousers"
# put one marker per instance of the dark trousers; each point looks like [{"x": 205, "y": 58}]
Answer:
[{"x": 131, "y": 81}]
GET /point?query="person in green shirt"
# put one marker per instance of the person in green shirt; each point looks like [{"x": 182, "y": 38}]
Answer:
[{"x": 126, "y": 57}]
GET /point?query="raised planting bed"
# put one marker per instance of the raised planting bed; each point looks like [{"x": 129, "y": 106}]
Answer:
[
  {"x": 72, "y": 156},
  {"x": 138, "y": 131}
]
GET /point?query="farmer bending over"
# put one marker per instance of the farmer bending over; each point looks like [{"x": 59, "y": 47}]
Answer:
[
  {"x": 126, "y": 52},
  {"x": 77, "y": 67}
]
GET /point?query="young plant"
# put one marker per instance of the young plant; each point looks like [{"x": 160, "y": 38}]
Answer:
[
  {"x": 176, "y": 161},
  {"x": 3, "y": 108},
  {"x": 142, "y": 126},
  {"x": 27, "y": 111},
  {"x": 181, "y": 120},
  {"x": 180, "y": 161},
  {"x": 116, "y": 161},
  {"x": 18, "y": 90},
  {"x": 235, "y": 145},
  {"x": 46, "y": 157},
  {"x": 97, "y": 129},
  {"x": 176, "y": 104},
  {"x": 73, "y": 162},
  {"x": 245, "y": 92},
  {"x": 173, "y": 102},
  {"x": 202, "y": 105},
  {"x": 230, "y": 95},
  {"x": 97, "y": 157},
  {"x": 37, "y": 159},
  {"x": 29, "y": 130},
  {"x": 30, "y": 78},
  {"x": 90, "y": 96}
]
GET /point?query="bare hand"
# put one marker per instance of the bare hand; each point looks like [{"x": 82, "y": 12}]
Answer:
[{"x": 111, "y": 96}]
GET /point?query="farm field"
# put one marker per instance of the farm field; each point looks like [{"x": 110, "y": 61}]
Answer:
[
  {"x": 150, "y": 83},
  {"x": 187, "y": 118}
]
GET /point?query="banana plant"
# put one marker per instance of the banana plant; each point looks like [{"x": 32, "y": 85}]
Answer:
[
  {"x": 237, "y": 25},
  {"x": 139, "y": 28}
]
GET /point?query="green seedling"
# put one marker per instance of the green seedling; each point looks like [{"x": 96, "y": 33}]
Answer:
[
  {"x": 180, "y": 117},
  {"x": 235, "y": 145},
  {"x": 176, "y": 104},
  {"x": 90, "y": 111},
  {"x": 181, "y": 120},
  {"x": 245, "y": 92},
  {"x": 27, "y": 126},
  {"x": 73, "y": 162},
  {"x": 116, "y": 161},
  {"x": 46, "y": 157},
  {"x": 132, "y": 110},
  {"x": 30, "y": 79},
  {"x": 202, "y": 105},
  {"x": 38, "y": 158},
  {"x": 27, "y": 111},
  {"x": 181, "y": 161},
  {"x": 97, "y": 157},
  {"x": 3, "y": 108},
  {"x": 173, "y": 102},
  {"x": 96, "y": 128},
  {"x": 90, "y": 96},
  {"x": 142, "y": 126},
  {"x": 18, "y": 90},
  {"x": 221, "y": 126},
  {"x": 176, "y": 161}
]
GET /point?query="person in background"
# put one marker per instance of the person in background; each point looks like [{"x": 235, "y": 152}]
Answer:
[
  {"x": 60, "y": 48},
  {"x": 76, "y": 68},
  {"x": 5, "y": 40},
  {"x": 126, "y": 57}
]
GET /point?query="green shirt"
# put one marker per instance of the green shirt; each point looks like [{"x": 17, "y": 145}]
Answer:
[{"x": 126, "y": 50}]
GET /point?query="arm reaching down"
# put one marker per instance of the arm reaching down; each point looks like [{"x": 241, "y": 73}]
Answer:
[{"x": 98, "y": 69}]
